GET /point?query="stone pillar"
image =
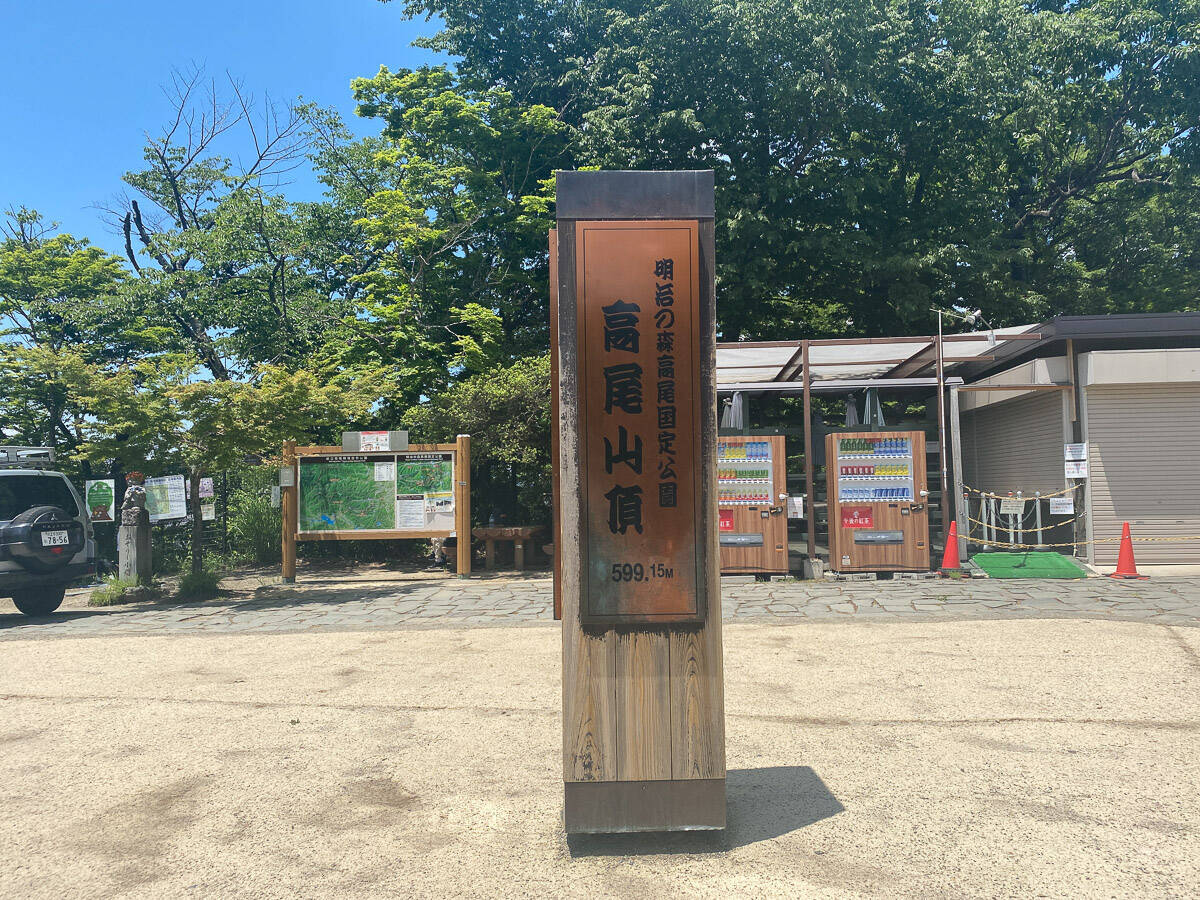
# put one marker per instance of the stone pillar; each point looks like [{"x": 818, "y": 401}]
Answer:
[{"x": 134, "y": 553}]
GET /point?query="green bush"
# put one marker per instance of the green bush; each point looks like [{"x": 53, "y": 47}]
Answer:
[
  {"x": 199, "y": 586},
  {"x": 254, "y": 525},
  {"x": 116, "y": 590}
]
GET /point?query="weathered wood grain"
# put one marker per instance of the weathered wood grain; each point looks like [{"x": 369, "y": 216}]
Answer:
[{"x": 642, "y": 688}]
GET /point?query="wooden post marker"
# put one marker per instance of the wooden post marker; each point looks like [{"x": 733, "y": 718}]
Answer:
[{"x": 643, "y": 703}]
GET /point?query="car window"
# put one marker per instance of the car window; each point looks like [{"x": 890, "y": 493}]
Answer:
[{"x": 19, "y": 492}]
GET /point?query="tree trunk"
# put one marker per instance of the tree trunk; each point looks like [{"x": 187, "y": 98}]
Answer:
[{"x": 197, "y": 520}]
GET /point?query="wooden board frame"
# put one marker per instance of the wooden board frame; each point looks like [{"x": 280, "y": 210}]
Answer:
[
  {"x": 643, "y": 705},
  {"x": 290, "y": 503}
]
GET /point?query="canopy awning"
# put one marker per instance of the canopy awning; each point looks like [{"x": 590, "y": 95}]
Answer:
[{"x": 756, "y": 363}]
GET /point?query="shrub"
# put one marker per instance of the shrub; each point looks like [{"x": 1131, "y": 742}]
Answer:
[
  {"x": 116, "y": 590},
  {"x": 254, "y": 525},
  {"x": 199, "y": 586}
]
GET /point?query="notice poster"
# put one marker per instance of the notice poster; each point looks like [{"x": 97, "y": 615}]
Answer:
[
  {"x": 374, "y": 440},
  {"x": 206, "y": 488},
  {"x": 101, "y": 500},
  {"x": 1062, "y": 506},
  {"x": 410, "y": 512},
  {"x": 166, "y": 498},
  {"x": 1075, "y": 468},
  {"x": 1077, "y": 452},
  {"x": 208, "y": 512},
  {"x": 1012, "y": 506}
]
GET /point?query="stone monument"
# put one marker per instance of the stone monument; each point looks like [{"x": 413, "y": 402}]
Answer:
[{"x": 134, "y": 553}]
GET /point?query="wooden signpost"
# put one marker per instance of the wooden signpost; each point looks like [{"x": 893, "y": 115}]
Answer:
[
  {"x": 637, "y": 567},
  {"x": 421, "y": 491}
]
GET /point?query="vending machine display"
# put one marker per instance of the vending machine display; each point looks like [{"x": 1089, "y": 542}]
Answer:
[
  {"x": 878, "y": 519},
  {"x": 752, "y": 503}
]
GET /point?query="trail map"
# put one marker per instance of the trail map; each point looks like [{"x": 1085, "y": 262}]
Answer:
[
  {"x": 345, "y": 495},
  {"x": 424, "y": 476}
]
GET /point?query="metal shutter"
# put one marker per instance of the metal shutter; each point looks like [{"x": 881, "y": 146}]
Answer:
[
  {"x": 1016, "y": 445},
  {"x": 1144, "y": 465}
]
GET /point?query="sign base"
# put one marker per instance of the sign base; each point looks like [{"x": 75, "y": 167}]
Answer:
[{"x": 610, "y": 807}]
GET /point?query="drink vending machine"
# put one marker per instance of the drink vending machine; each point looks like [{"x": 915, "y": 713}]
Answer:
[
  {"x": 878, "y": 520},
  {"x": 752, "y": 503}
]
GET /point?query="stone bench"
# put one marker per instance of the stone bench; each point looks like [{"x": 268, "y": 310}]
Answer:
[{"x": 518, "y": 534}]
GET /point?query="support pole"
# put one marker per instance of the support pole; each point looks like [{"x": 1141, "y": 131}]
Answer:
[
  {"x": 1019, "y": 519},
  {"x": 462, "y": 504},
  {"x": 289, "y": 511},
  {"x": 960, "y": 503},
  {"x": 941, "y": 393},
  {"x": 809, "y": 482}
]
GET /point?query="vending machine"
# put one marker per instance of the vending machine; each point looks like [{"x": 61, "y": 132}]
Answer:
[
  {"x": 752, "y": 503},
  {"x": 878, "y": 520}
]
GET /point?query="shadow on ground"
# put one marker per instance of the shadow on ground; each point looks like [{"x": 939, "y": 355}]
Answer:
[{"x": 762, "y": 804}]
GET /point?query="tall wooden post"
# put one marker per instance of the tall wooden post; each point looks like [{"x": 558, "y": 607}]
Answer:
[
  {"x": 643, "y": 703},
  {"x": 810, "y": 484},
  {"x": 289, "y": 512},
  {"x": 960, "y": 503},
  {"x": 554, "y": 489},
  {"x": 462, "y": 503}
]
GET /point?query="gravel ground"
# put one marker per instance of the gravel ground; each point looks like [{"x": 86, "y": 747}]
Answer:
[{"x": 928, "y": 758}]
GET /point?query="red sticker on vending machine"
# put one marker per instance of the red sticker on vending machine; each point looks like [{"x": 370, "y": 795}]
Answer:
[
  {"x": 858, "y": 517},
  {"x": 725, "y": 520}
]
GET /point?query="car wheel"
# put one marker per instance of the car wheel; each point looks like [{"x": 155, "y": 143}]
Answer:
[{"x": 39, "y": 602}]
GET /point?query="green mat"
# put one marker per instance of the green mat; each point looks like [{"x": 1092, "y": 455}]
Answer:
[{"x": 1032, "y": 564}]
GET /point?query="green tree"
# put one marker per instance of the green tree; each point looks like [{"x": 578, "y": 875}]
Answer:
[
  {"x": 876, "y": 158},
  {"x": 159, "y": 410},
  {"x": 218, "y": 254},
  {"x": 57, "y": 311},
  {"x": 453, "y": 209},
  {"x": 507, "y": 413}
]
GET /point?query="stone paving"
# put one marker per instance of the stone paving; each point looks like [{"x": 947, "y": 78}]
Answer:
[{"x": 335, "y": 602}]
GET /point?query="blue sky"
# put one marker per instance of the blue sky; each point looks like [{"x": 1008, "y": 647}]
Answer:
[{"x": 83, "y": 82}]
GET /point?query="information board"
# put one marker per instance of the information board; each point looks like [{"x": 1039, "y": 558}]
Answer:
[
  {"x": 638, "y": 289},
  {"x": 166, "y": 498},
  {"x": 377, "y": 492}
]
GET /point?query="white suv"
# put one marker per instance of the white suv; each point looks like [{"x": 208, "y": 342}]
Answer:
[{"x": 45, "y": 537}]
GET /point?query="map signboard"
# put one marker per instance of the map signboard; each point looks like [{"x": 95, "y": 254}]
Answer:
[
  {"x": 166, "y": 498},
  {"x": 342, "y": 493},
  {"x": 393, "y": 492}
]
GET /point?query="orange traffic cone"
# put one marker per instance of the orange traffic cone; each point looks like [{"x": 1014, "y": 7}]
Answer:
[
  {"x": 950, "y": 562},
  {"x": 1126, "y": 567}
]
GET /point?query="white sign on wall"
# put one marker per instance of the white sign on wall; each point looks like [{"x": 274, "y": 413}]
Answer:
[
  {"x": 1075, "y": 452},
  {"x": 1075, "y": 468},
  {"x": 1062, "y": 506}
]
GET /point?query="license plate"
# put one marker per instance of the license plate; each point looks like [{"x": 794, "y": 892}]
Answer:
[{"x": 55, "y": 538}]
